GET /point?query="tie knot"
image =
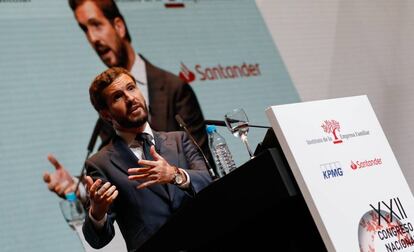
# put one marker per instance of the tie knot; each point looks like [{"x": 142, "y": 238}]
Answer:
[{"x": 145, "y": 138}]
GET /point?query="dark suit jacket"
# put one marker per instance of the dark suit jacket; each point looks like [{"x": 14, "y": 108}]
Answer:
[
  {"x": 168, "y": 96},
  {"x": 140, "y": 212}
]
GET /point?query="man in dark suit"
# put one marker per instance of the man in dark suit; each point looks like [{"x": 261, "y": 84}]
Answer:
[
  {"x": 166, "y": 94},
  {"x": 131, "y": 180}
]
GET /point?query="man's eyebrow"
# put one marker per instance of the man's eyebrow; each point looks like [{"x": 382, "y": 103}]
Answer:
[{"x": 93, "y": 20}]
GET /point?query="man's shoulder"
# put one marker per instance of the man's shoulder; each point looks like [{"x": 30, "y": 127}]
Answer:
[
  {"x": 174, "y": 134},
  {"x": 102, "y": 154}
]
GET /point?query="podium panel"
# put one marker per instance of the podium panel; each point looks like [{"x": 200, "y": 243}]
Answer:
[{"x": 256, "y": 207}]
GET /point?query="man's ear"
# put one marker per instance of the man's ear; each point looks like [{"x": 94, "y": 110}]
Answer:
[
  {"x": 120, "y": 27},
  {"x": 104, "y": 114}
]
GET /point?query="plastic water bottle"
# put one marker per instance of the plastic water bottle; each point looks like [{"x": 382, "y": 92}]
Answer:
[
  {"x": 73, "y": 211},
  {"x": 221, "y": 153}
]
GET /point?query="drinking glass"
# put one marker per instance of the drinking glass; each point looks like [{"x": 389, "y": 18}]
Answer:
[{"x": 238, "y": 124}]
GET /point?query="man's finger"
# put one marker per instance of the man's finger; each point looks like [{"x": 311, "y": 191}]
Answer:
[
  {"x": 145, "y": 184},
  {"x": 46, "y": 177},
  {"x": 147, "y": 163},
  {"x": 70, "y": 189},
  {"x": 113, "y": 197},
  {"x": 89, "y": 181},
  {"x": 154, "y": 153},
  {"x": 102, "y": 190},
  {"x": 137, "y": 177},
  {"x": 60, "y": 188},
  {"x": 138, "y": 170},
  {"x": 95, "y": 185},
  {"x": 151, "y": 181},
  {"x": 54, "y": 161},
  {"x": 110, "y": 191}
]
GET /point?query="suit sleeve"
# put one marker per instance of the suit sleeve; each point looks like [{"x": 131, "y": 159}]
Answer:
[{"x": 98, "y": 238}]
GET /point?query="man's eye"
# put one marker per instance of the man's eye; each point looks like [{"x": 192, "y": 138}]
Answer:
[
  {"x": 117, "y": 97},
  {"x": 95, "y": 23},
  {"x": 131, "y": 87}
]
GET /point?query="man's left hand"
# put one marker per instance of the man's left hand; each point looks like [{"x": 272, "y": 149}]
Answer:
[{"x": 158, "y": 171}]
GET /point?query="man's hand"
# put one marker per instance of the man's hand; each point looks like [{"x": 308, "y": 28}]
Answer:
[
  {"x": 60, "y": 181},
  {"x": 158, "y": 171},
  {"x": 101, "y": 197}
]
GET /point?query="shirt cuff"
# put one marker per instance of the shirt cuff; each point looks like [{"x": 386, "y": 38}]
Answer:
[
  {"x": 98, "y": 223},
  {"x": 185, "y": 185}
]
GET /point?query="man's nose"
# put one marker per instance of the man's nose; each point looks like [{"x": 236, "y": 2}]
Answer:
[
  {"x": 128, "y": 97},
  {"x": 92, "y": 37}
]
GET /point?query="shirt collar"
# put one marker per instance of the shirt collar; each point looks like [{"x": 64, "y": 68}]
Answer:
[
  {"x": 130, "y": 137},
  {"x": 138, "y": 70}
]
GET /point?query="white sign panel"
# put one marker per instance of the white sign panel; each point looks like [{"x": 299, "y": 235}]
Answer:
[{"x": 348, "y": 174}]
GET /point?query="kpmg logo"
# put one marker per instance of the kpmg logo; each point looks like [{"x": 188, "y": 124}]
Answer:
[
  {"x": 331, "y": 170},
  {"x": 359, "y": 164},
  {"x": 219, "y": 72}
]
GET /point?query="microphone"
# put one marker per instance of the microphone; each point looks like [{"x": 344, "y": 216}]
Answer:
[
  {"x": 183, "y": 125},
  {"x": 223, "y": 123},
  {"x": 91, "y": 145}
]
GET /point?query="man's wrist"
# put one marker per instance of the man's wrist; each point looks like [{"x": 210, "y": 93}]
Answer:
[
  {"x": 178, "y": 177},
  {"x": 96, "y": 216},
  {"x": 98, "y": 223}
]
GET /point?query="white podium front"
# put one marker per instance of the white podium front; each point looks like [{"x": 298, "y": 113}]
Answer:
[{"x": 347, "y": 173}]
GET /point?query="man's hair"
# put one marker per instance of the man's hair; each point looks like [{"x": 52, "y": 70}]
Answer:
[
  {"x": 109, "y": 9},
  {"x": 102, "y": 81}
]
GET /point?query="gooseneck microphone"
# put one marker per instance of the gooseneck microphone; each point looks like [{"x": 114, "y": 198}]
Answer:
[{"x": 183, "y": 125}]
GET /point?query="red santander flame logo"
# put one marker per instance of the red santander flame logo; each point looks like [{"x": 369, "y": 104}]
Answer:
[
  {"x": 185, "y": 74},
  {"x": 360, "y": 164},
  {"x": 353, "y": 165},
  {"x": 332, "y": 126}
]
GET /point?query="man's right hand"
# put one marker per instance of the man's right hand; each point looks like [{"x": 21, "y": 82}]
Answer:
[
  {"x": 60, "y": 181},
  {"x": 101, "y": 197}
]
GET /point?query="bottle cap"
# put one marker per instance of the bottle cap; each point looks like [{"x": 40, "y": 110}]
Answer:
[
  {"x": 71, "y": 196},
  {"x": 211, "y": 128}
]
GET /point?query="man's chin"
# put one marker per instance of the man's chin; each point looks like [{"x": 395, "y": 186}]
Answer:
[{"x": 133, "y": 123}]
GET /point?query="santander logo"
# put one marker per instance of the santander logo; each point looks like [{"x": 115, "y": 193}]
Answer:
[
  {"x": 219, "y": 72},
  {"x": 186, "y": 74},
  {"x": 359, "y": 164}
]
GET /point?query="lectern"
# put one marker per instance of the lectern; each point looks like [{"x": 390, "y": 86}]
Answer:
[{"x": 257, "y": 207}]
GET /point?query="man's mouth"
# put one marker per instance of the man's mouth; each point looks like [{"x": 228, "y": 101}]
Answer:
[
  {"x": 102, "y": 50},
  {"x": 134, "y": 109}
]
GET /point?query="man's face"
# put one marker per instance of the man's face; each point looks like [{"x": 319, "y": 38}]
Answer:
[
  {"x": 103, "y": 35},
  {"x": 126, "y": 105}
]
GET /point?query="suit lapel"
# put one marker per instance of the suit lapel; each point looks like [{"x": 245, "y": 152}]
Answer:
[{"x": 124, "y": 158}]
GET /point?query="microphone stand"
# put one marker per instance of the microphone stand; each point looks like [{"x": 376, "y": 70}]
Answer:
[
  {"x": 184, "y": 126},
  {"x": 90, "y": 148}
]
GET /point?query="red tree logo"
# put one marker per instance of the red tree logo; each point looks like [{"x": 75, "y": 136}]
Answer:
[
  {"x": 185, "y": 74},
  {"x": 332, "y": 126}
]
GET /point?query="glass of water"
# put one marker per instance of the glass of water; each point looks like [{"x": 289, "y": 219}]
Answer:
[{"x": 238, "y": 124}]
